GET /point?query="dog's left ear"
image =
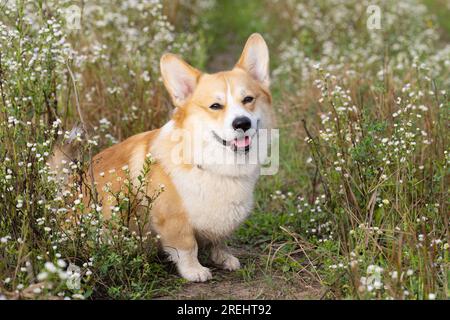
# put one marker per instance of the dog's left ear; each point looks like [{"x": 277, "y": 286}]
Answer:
[{"x": 255, "y": 59}]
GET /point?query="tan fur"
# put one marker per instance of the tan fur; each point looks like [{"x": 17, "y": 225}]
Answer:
[{"x": 167, "y": 213}]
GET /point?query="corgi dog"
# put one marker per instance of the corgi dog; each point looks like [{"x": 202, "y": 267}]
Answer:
[{"x": 204, "y": 197}]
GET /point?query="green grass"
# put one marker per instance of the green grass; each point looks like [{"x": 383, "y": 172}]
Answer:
[
  {"x": 230, "y": 23},
  {"x": 438, "y": 8},
  {"x": 359, "y": 205}
]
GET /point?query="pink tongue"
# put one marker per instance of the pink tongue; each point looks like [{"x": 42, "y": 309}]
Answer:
[{"x": 243, "y": 142}]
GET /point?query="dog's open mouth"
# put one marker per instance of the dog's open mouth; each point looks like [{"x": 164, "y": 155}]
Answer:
[{"x": 237, "y": 144}]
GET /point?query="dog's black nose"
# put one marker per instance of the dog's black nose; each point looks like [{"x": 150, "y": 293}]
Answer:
[{"x": 243, "y": 123}]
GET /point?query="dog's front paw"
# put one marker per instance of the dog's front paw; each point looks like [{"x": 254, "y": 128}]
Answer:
[
  {"x": 225, "y": 260},
  {"x": 195, "y": 274},
  {"x": 231, "y": 263}
]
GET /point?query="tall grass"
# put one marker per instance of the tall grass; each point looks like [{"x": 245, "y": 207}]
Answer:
[
  {"x": 360, "y": 205},
  {"x": 372, "y": 108}
]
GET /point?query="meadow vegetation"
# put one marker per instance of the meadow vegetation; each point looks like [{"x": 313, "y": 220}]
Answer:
[{"x": 359, "y": 207}]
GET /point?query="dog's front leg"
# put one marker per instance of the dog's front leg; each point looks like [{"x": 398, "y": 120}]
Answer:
[
  {"x": 187, "y": 263},
  {"x": 221, "y": 256},
  {"x": 178, "y": 240}
]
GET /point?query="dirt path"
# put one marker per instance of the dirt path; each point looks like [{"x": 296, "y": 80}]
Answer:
[
  {"x": 225, "y": 60},
  {"x": 253, "y": 281}
]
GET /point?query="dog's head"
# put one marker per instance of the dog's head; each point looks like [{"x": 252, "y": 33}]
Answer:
[{"x": 227, "y": 108}]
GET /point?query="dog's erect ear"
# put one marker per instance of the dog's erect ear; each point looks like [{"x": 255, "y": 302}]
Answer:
[
  {"x": 255, "y": 59},
  {"x": 179, "y": 78}
]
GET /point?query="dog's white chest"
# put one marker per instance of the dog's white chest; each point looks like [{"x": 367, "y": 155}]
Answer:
[{"x": 215, "y": 204}]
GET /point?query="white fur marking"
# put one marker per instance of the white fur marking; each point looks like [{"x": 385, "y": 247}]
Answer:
[{"x": 188, "y": 265}]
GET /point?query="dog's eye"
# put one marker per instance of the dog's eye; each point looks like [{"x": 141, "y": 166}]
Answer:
[
  {"x": 248, "y": 100},
  {"x": 216, "y": 106}
]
